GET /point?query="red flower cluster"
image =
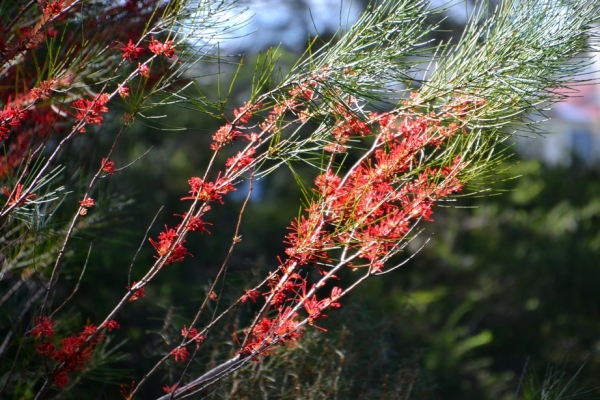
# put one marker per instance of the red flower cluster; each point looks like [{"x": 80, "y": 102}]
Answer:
[
  {"x": 51, "y": 9},
  {"x": 374, "y": 207},
  {"x": 138, "y": 293},
  {"x": 89, "y": 111},
  {"x": 169, "y": 389},
  {"x": 226, "y": 134},
  {"x": 180, "y": 354},
  {"x": 164, "y": 246},
  {"x": 44, "y": 328},
  {"x": 209, "y": 191},
  {"x": 45, "y": 90},
  {"x": 195, "y": 223},
  {"x": 244, "y": 113},
  {"x": 309, "y": 239},
  {"x": 194, "y": 335},
  {"x": 370, "y": 211},
  {"x": 108, "y": 166},
  {"x": 144, "y": 70},
  {"x": 167, "y": 49},
  {"x": 130, "y": 51},
  {"x": 123, "y": 91},
  {"x": 17, "y": 198},
  {"x": 270, "y": 332},
  {"x": 242, "y": 159},
  {"x": 85, "y": 204},
  {"x": 251, "y": 294},
  {"x": 74, "y": 352},
  {"x": 10, "y": 116}
]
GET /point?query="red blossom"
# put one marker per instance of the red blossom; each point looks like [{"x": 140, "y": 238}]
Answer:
[
  {"x": 309, "y": 241},
  {"x": 251, "y": 294},
  {"x": 194, "y": 335},
  {"x": 89, "y": 329},
  {"x": 195, "y": 223},
  {"x": 167, "y": 49},
  {"x": 144, "y": 70},
  {"x": 130, "y": 51},
  {"x": 12, "y": 116},
  {"x": 303, "y": 90},
  {"x": 243, "y": 114},
  {"x": 52, "y": 8},
  {"x": 112, "y": 324},
  {"x": 45, "y": 90},
  {"x": 87, "y": 203},
  {"x": 108, "y": 166},
  {"x": 44, "y": 327},
  {"x": 17, "y": 197},
  {"x": 336, "y": 292},
  {"x": 223, "y": 136},
  {"x": 137, "y": 294},
  {"x": 123, "y": 91},
  {"x": 74, "y": 352},
  {"x": 282, "y": 329},
  {"x": 89, "y": 111},
  {"x": 4, "y": 131},
  {"x": 241, "y": 160},
  {"x": 314, "y": 307},
  {"x": 60, "y": 379},
  {"x": 335, "y": 148},
  {"x": 180, "y": 354},
  {"x": 46, "y": 349},
  {"x": 169, "y": 389},
  {"x": 164, "y": 246},
  {"x": 327, "y": 183},
  {"x": 209, "y": 191}
]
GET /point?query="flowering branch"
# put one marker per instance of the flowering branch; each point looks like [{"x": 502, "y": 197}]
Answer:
[{"x": 435, "y": 136}]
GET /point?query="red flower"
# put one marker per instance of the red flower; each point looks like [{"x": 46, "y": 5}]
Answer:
[
  {"x": 241, "y": 160},
  {"x": 4, "y": 131},
  {"x": 224, "y": 135},
  {"x": 208, "y": 191},
  {"x": 327, "y": 183},
  {"x": 243, "y": 114},
  {"x": 251, "y": 294},
  {"x": 137, "y": 294},
  {"x": 123, "y": 91},
  {"x": 45, "y": 89},
  {"x": 193, "y": 334},
  {"x": 144, "y": 70},
  {"x": 61, "y": 379},
  {"x": 50, "y": 9},
  {"x": 12, "y": 116},
  {"x": 108, "y": 166},
  {"x": 180, "y": 354},
  {"x": 87, "y": 203},
  {"x": 195, "y": 223},
  {"x": 169, "y": 389},
  {"x": 44, "y": 328},
  {"x": 130, "y": 52},
  {"x": 46, "y": 349},
  {"x": 112, "y": 324},
  {"x": 167, "y": 49},
  {"x": 17, "y": 199},
  {"x": 89, "y": 111},
  {"x": 165, "y": 240}
]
